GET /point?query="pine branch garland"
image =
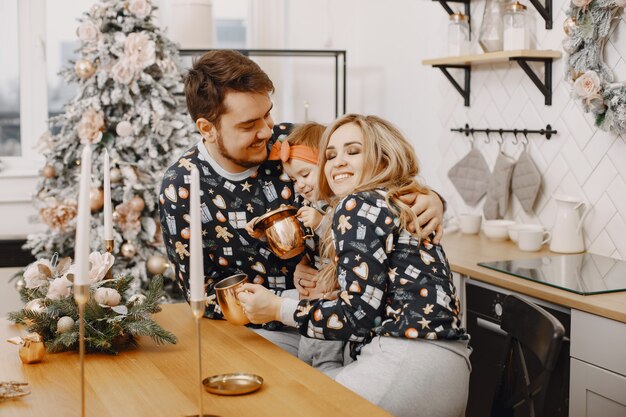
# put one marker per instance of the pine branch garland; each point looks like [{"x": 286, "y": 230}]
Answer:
[{"x": 108, "y": 328}]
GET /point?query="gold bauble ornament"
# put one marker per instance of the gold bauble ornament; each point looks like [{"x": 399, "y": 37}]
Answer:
[
  {"x": 84, "y": 69},
  {"x": 128, "y": 250},
  {"x": 48, "y": 171},
  {"x": 569, "y": 25},
  {"x": 157, "y": 264},
  {"x": 115, "y": 175},
  {"x": 96, "y": 199},
  {"x": 137, "y": 203}
]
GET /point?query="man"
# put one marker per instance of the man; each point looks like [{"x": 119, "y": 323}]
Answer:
[{"x": 228, "y": 97}]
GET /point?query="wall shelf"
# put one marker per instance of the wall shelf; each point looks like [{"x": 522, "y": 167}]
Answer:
[{"x": 522, "y": 57}]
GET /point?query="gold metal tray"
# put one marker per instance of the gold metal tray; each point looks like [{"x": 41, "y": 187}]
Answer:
[{"x": 232, "y": 384}]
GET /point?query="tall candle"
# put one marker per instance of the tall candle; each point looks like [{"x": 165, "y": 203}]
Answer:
[
  {"x": 196, "y": 265},
  {"x": 83, "y": 222},
  {"x": 108, "y": 212}
]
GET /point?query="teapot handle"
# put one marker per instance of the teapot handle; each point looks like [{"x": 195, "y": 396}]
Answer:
[{"x": 582, "y": 218}]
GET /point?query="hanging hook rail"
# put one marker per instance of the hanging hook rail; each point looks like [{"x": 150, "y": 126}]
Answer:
[{"x": 547, "y": 132}]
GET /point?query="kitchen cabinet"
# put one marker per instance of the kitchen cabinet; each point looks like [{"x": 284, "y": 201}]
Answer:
[{"x": 597, "y": 366}]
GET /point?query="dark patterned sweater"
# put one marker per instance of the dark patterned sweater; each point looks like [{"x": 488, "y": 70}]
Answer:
[
  {"x": 228, "y": 203},
  {"x": 391, "y": 284}
]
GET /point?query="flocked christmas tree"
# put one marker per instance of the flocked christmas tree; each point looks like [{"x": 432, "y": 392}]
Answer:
[{"x": 128, "y": 77}]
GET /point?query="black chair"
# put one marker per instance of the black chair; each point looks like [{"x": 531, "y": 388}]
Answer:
[{"x": 534, "y": 338}]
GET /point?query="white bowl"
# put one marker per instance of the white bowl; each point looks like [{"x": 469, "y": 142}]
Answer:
[
  {"x": 497, "y": 229},
  {"x": 514, "y": 229}
]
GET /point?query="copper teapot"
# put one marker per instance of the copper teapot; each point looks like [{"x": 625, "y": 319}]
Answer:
[{"x": 284, "y": 233}]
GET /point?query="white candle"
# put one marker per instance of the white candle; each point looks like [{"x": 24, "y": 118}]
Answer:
[
  {"x": 108, "y": 212},
  {"x": 83, "y": 222},
  {"x": 196, "y": 265}
]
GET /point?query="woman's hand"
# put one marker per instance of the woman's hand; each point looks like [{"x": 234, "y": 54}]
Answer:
[
  {"x": 309, "y": 217},
  {"x": 256, "y": 234},
  {"x": 259, "y": 304},
  {"x": 429, "y": 211},
  {"x": 304, "y": 278}
]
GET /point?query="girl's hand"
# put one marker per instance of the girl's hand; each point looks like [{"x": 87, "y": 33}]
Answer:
[
  {"x": 256, "y": 234},
  {"x": 259, "y": 304},
  {"x": 310, "y": 217}
]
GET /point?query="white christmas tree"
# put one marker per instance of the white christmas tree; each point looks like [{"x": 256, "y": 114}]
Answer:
[{"x": 129, "y": 78}]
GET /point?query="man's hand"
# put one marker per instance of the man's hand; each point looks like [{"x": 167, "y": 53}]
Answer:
[
  {"x": 259, "y": 304},
  {"x": 429, "y": 211},
  {"x": 304, "y": 279}
]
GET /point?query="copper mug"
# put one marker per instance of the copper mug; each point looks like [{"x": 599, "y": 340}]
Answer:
[
  {"x": 283, "y": 231},
  {"x": 226, "y": 291}
]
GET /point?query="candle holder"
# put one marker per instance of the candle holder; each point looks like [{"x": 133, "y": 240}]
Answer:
[
  {"x": 197, "y": 309},
  {"x": 81, "y": 296},
  {"x": 109, "y": 245}
]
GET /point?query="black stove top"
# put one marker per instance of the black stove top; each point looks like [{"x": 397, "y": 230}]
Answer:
[{"x": 582, "y": 273}]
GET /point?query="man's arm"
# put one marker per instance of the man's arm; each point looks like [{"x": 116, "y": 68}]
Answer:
[{"x": 429, "y": 209}]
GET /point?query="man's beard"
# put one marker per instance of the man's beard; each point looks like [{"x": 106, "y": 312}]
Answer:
[{"x": 241, "y": 162}]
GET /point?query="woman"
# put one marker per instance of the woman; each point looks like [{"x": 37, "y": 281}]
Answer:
[{"x": 396, "y": 303}]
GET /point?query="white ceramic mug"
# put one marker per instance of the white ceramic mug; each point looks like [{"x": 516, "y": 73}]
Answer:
[
  {"x": 514, "y": 229},
  {"x": 469, "y": 223},
  {"x": 531, "y": 240}
]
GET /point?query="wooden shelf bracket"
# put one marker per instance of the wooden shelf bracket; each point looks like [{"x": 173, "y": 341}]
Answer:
[
  {"x": 544, "y": 87},
  {"x": 464, "y": 92}
]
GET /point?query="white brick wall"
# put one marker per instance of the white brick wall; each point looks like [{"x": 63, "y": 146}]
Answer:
[{"x": 580, "y": 160}]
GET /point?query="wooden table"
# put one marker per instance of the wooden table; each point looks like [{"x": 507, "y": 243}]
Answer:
[{"x": 161, "y": 380}]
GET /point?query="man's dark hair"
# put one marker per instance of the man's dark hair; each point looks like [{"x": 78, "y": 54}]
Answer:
[{"x": 216, "y": 73}]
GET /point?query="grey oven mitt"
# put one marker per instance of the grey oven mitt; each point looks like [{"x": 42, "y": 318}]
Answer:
[
  {"x": 470, "y": 176},
  {"x": 526, "y": 181},
  {"x": 497, "y": 201}
]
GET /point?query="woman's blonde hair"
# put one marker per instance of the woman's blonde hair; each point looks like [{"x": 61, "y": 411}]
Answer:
[{"x": 389, "y": 164}]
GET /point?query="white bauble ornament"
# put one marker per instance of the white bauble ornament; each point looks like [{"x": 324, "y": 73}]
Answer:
[
  {"x": 157, "y": 264},
  {"x": 65, "y": 324},
  {"x": 115, "y": 175},
  {"x": 84, "y": 69},
  {"x": 107, "y": 296},
  {"x": 137, "y": 299},
  {"x": 124, "y": 129},
  {"x": 36, "y": 306},
  {"x": 128, "y": 250},
  {"x": 20, "y": 284}
]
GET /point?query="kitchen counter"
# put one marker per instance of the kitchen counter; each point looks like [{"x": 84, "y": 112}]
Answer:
[{"x": 465, "y": 251}]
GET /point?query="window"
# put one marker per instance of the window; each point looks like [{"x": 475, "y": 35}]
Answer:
[
  {"x": 230, "y": 18},
  {"x": 10, "y": 144},
  {"x": 61, "y": 48}
]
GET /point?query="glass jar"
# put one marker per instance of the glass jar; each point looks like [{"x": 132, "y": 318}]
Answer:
[
  {"x": 490, "y": 36},
  {"x": 515, "y": 27},
  {"x": 458, "y": 35}
]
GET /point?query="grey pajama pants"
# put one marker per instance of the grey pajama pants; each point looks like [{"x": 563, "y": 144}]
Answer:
[{"x": 411, "y": 377}]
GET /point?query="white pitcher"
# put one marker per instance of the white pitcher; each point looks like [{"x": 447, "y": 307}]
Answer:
[{"x": 567, "y": 233}]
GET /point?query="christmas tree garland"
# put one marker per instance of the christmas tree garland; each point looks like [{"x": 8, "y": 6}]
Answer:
[
  {"x": 112, "y": 321},
  {"x": 588, "y": 27}
]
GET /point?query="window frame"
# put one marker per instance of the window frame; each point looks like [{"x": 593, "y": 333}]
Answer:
[{"x": 33, "y": 89}]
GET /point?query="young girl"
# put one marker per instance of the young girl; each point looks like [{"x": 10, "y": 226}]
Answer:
[
  {"x": 396, "y": 301},
  {"x": 298, "y": 153}
]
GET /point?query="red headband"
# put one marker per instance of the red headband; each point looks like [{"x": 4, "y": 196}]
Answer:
[{"x": 284, "y": 152}]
